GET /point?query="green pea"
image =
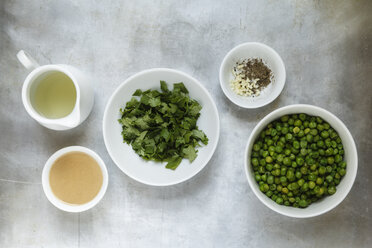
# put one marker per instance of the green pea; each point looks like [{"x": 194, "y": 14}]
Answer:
[
  {"x": 273, "y": 132},
  {"x": 270, "y": 179},
  {"x": 255, "y": 162},
  {"x": 319, "y": 181},
  {"x": 273, "y": 186},
  {"x": 321, "y": 152},
  {"x": 329, "y": 178},
  {"x": 313, "y": 167},
  {"x": 287, "y": 152},
  {"x": 320, "y": 127},
  {"x": 322, "y": 170},
  {"x": 301, "y": 182},
  {"x": 309, "y": 138},
  {"x": 303, "y": 203},
  {"x": 305, "y": 186},
  {"x": 295, "y": 186},
  {"x": 283, "y": 179},
  {"x": 331, "y": 190},
  {"x": 285, "y": 190},
  {"x": 311, "y": 184},
  {"x": 313, "y": 132},
  {"x": 290, "y": 175},
  {"x": 324, "y": 134},
  {"x": 269, "y": 167},
  {"x": 287, "y": 161},
  {"x": 296, "y": 144},
  {"x": 301, "y": 133},
  {"x": 262, "y": 162},
  {"x": 279, "y": 200},
  {"x": 297, "y": 123},
  {"x": 303, "y": 143},
  {"x": 284, "y": 118},
  {"x": 320, "y": 143},
  {"x": 279, "y": 188},
  {"x": 303, "y": 151},
  {"x": 280, "y": 158},
  {"x": 288, "y": 136},
  {"x": 264, "y": 177},
  {"x": 284, "y": 130},
  {"x": 312, "y": 124},
  {"x": 303, "y": 170},
  {"x": 258, "y": 178},
  {"x": 311, "y": 177},
  {"x": 342, "y": 172},
  {"x": 300, "y": 161},
  {"x": 330, "y": 160},
  {"x": 342, "y": 164},
  {"x": 296, "y": 130},
  {"x": 298, "y": 174},
  {"x": 256, "y": 147},
  {"x": 269, "y": 159},
  {"x": 302, "y": 117},
  {"x": 278, "y": 149}
]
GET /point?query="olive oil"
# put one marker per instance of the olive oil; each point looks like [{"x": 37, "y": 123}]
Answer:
[{"x": 54, "y": 96}]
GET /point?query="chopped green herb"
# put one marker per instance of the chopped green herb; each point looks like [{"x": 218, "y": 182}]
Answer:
[{"x": 161, "y": 126}]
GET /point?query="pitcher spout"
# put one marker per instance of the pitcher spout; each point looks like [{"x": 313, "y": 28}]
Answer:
[{"x": 72, "y": 120}]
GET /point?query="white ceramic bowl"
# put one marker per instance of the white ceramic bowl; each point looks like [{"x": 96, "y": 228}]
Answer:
[
  {"x": 351, "y": 157},
  {"x": 57, "y": 202},
  {"x": 253, "y": 50},
  {"x": 149, "y": 172}
]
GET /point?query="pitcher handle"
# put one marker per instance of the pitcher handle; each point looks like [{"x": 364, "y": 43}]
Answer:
[{"x": 27, "y": 61}]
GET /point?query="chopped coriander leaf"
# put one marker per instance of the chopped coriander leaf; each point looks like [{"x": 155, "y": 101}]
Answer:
[{"x": 162, "y": 126}]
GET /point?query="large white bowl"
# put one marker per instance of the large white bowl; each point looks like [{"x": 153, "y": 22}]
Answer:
[
  {"x": 154, "y": 173},
  {"x": 351, "y": 157},
  {"x": 253, "y": 50}
]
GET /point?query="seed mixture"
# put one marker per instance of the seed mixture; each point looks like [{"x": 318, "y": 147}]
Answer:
[{"x": 251, "y": 76}]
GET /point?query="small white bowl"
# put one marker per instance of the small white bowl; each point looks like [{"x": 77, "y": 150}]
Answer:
[
  {"x": 327, "y": 203},
  {"x": 253, "y": 50},
  {"x": 65, "y": 206},
  {"x": 150, "y": 172}
]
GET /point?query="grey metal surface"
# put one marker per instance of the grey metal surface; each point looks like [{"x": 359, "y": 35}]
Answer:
[{"x": 326, "y": 47}]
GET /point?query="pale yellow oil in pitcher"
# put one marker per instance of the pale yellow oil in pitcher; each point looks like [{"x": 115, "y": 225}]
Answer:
[{"x": 54, "y": 96}]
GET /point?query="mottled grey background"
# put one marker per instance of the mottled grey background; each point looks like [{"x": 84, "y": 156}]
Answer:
[{"x": 325, "y": 45}]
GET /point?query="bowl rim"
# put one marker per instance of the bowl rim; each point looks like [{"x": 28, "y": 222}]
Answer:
[
  {"x": 54, "y": 199},
  {"x": 274, "y": 54},
  {"x": 253, "y": 184},
  {"x": 194, "y": 80}
]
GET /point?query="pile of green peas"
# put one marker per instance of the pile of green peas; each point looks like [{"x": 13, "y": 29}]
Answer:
[{"x": 298, "y": 159}]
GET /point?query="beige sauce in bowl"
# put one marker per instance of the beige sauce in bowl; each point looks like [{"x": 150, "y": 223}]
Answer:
[{"x": 75, "y": 178}]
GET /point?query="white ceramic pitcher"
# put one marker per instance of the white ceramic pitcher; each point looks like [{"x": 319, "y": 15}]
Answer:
[{"x": 84, "y": 92}]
